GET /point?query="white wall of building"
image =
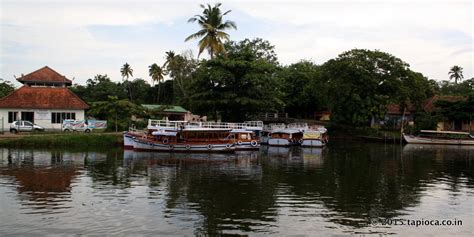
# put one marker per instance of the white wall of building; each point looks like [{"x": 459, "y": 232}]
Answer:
[{"x": 42, "y": 117}]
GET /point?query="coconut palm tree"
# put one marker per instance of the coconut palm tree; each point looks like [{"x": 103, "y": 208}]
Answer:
[
  {"x": 211, "y": 35},
  {"x": 170, "y": 58},
  {"x": 456, "y": 73},
  {"x": 157, "y": 75},
  {"x": 127, "y": 72}
]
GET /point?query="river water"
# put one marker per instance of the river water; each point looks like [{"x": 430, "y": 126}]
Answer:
[{"x": 343, "y": 189}]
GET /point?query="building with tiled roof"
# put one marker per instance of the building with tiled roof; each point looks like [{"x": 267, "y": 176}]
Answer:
[{"x": 44, "y": 99}]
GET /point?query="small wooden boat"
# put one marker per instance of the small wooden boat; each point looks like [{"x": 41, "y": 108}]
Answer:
[{"x": 440, "y": 137}]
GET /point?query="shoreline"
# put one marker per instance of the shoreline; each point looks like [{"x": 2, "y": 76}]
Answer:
[{"x": 61, "y": 140}]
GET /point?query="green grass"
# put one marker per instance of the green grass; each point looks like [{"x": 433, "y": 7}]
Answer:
[{"x": 64, "y": 140}]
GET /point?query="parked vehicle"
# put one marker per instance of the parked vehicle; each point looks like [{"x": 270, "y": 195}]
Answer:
[
  {"x": 75, "y": 126},
  {"x": 24, "y": 126}
]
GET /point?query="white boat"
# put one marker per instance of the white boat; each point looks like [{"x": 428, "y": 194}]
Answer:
[
  {"x": 440, "y": 137},
  {"x": 285, "y": 137},
  {"x": 268, "y": 129},
  {"x": 315, "y": 137},
  {"x": 129, "y": 136}
]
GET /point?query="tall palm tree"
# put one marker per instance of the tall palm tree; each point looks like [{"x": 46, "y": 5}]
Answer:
[
  {"x": 157, "y": 75},
  {"x": 127, "y": 72},
  {"x": 456, "y": 73},
  {"x": 212, "y": 35},
  {"x": 170, "y": 58}
]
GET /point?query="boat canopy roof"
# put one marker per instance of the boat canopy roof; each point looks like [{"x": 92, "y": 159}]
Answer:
[
  {"x": 288, "y": 131},
  {"x": 444, "y": 132}
]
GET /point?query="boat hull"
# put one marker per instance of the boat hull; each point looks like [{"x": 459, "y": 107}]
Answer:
[
  {"x": 313, "y": 143},
  {"x": 281, "y": 142},
  {"x": 128, "y": 140},
  {"x": 245, "y": 146},
  {"x": 422, "y": 140},
  {"x": 145, "y": 145}
]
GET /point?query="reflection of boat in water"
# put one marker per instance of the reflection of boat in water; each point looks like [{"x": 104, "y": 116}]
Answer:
[
  {"x": 312, "y": 156},
  {"x": 440, "y": 137},
  {"x": 189, "y": 157}
]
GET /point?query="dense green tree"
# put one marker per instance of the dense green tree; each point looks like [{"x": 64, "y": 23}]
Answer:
[
  {"x": 455, "y": 73},
  {"x": 157, "y": 75},
  {"x": 99, "y": 88},
  {"x": 362, "y": 82},
  {"x": 212, "y": 34},
  {"x": 180, "y": 69},
  {"x": 235, "y": 87},
  {"x": 304, "y": 92},
  {"x": 117, "y": 112},
  {"x": 6, "y": 87},
  {"x": 141, "y": 90},
  {"x": 456, "y": 110},
  {"x": 464, "y": 88}
]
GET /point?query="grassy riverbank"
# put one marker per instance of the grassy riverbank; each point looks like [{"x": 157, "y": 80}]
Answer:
[{"x": 62, "y": 140}]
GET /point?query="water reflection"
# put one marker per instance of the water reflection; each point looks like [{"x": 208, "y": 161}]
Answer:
[{"x": 275, "y": 190}]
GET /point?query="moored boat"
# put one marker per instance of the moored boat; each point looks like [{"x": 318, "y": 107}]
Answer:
[
  {"x": 187, "y": 140},
  {"x": 315, "y": 137},
  {"x": 440, "y": 137},
  {"x": 285, "y": 137},
  {"x": 268, "y": 129}
]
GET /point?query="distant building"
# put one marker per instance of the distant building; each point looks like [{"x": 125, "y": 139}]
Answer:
[
  {"x": 170, "y": 112},
  {"x": 43, "y": 99},
  {"x": 395, "y": 115}
]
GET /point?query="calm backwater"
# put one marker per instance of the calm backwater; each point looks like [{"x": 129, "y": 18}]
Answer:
[{"x": 339, "y": 190}]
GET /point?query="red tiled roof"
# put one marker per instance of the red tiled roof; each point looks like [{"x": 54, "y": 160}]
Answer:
[
  {"x": 429, "y": 104},
  {"x": 45, "y": 74},
  {"x": 43, "y": 98},
  {"x": 394, "y": 109}
]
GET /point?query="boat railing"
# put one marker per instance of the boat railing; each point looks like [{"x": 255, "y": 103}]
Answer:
[
  {"x": 299, "y": 126},
  {"x": 167, "y": 124},
  {"x": 274, "y": 126}
]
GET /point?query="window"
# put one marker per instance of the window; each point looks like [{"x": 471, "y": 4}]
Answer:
[
  {"x": 12, "y": 117},
  {"x": 28, "y": 116},
  {"x": 59, "y": 117}
]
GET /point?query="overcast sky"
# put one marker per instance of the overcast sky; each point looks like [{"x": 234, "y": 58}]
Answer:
[{"x": 80, "y": 39}]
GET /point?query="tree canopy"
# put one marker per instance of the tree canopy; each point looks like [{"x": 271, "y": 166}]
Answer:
[{"x": 239, "y": 85}]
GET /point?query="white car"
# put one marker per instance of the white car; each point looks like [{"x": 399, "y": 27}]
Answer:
[{"x": 24, "y": 126}]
